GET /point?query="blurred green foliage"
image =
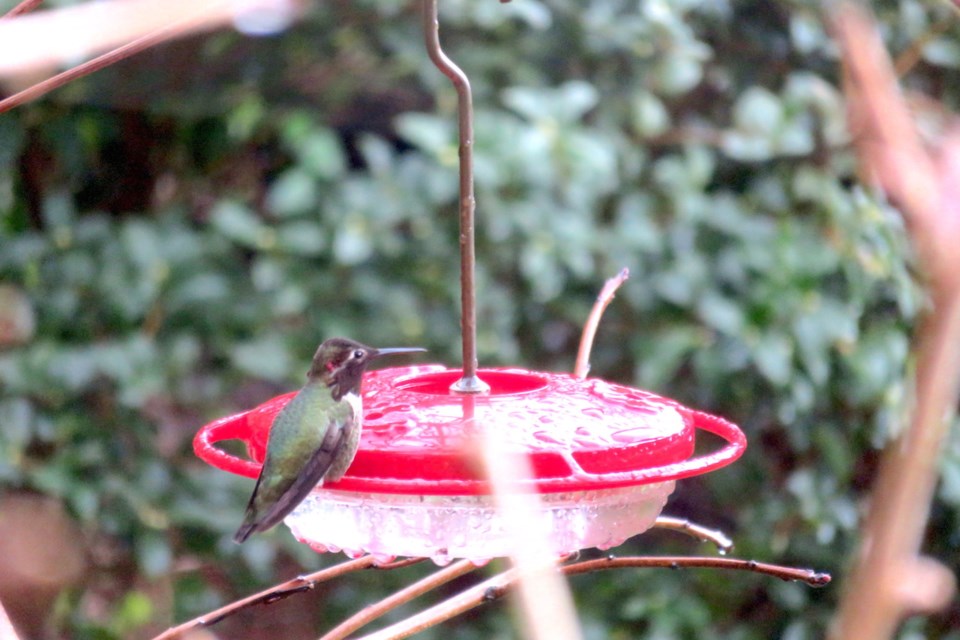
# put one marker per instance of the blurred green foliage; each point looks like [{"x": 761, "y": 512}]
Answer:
[{"x": 182, "y": 229}]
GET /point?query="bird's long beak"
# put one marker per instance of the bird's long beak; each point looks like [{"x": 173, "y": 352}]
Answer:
[{"x": 389, "y": 350}]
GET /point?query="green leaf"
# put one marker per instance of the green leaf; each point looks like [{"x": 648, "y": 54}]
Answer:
[
  {"x": 565, "y": 104},
  {"x": 301, "y": 238},
  {"x": 293, "y": 192},
  {"x": 155, "y": 559},
  {"x": 758, "y": 111},
  {"x": 720, "y": 313},
  {"x": 773, "y": 355},
  {"x": 239, "y": 223},
  {"x": 135, "y": 610},
  {"x": 264, "y": 357},
  {"x": 677, "y": 73},
  {"x": 429, "y": 132},
  {"x": 322, "y": 154}
]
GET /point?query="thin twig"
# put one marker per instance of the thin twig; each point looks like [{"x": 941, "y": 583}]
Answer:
[
  {"x": 275, "y": 593},
  {"x": 24, "y": 7},
  {"x": 809, "y": 576},
  {"x": 582, "y": 367},
  {"x": 96, "y": 64},
  {"x": 370, "y": 613},
  {"x": 719, "y": 539}
]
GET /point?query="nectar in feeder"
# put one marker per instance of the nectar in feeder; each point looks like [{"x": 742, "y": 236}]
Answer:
[{"x": 604, "y": 457}]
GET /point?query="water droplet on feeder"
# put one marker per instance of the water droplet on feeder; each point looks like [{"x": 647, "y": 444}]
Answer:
[{"x": 383, "y": 558}]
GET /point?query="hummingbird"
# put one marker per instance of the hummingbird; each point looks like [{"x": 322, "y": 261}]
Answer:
[{"x": 315, "y": 437}]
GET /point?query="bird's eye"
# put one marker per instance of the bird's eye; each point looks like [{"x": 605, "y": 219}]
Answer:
[{"x": 358, "y": 354}]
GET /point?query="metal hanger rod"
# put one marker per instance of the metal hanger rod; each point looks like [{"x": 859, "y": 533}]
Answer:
[{"x": 469, "y": 382}]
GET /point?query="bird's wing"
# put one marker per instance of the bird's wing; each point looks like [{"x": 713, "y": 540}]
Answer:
[
  {"x": 291, "y": 471},
  {"x": 299, "y": 486}
]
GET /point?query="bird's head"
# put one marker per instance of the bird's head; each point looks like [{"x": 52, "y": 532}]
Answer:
[{"x": 339, "y": 363}]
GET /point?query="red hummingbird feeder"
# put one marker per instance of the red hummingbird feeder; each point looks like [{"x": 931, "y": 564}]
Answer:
[{"x": 603, "y": 457}]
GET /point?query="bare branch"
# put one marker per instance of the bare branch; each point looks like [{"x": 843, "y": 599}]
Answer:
[
  {"x": 718, "y": 538},
  {"x": 582, "y": 366},
  {"x": 809, "y": 576}
]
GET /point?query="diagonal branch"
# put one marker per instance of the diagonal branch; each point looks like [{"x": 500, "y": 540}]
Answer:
[
  {"x": 96, "y": 64},
  {"x": 719, "y": 539},
  {"x": 281, "y": 591},
  {"x": 36, "y": 42},
  {"x": 582, "y": 366}
]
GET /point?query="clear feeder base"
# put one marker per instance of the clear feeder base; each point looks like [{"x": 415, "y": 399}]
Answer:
[{"x": 446, "y": 527}]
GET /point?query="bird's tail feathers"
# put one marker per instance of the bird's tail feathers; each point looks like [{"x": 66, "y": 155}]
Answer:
[{"x": 244, "y": 532}]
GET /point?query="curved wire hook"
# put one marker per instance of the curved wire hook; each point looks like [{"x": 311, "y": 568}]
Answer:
[{"x": 469, "y": 382}]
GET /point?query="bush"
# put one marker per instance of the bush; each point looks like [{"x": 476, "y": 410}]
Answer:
[{"x": 179, "y": 254}]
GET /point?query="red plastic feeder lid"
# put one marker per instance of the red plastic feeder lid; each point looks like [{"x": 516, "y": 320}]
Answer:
[{"x": 579, "y": 434}]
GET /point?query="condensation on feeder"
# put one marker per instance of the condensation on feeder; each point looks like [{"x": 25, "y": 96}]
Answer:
[{"x": 447, "y": 527}]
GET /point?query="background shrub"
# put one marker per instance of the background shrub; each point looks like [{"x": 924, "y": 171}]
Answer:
[{"x": 179, "y": 232}]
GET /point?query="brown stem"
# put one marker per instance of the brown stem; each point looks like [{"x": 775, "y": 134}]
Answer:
[
  {"x": 372, "y": 612},
  {"x": 582, "y": 367},
  {"x": 810, "y": 577},
  {"x": 24, "y": 7},
  {"x": 718, "y": 538}
]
